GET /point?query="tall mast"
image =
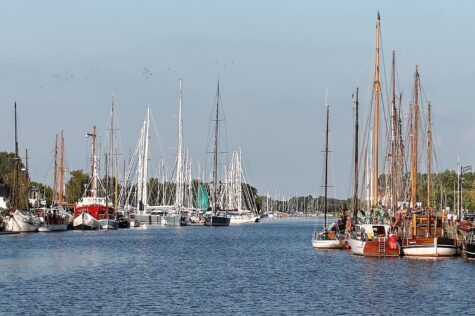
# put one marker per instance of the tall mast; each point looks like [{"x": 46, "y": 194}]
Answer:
[
  {"x": 145, "y": 161},
  {"x": 93, "y": 163},
  {"x": 215, "y": 153},
  {"x": 355, "y": 188},
  {"x": 16, "y": 178},
  {"x": 394, "y": 139},
  {"x": 27, "y": 176},
  {"x": 376, "y": 93},
  {"x": 55, "y": 176},
  {"x": 429, "y": 152},
  {"x": 140, "y": 174},
  {"x": 113, "y": 157},
  {"x": 415, "y": 126},
  {"x": 61, "y": 169},
  {"x": 107, "y": 186},
  {"x": 179, "y": 157},
  {"x": 325, "y": 199},
  {"x": 116, "y": 181}
]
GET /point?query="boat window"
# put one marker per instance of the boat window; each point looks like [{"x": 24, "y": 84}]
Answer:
[{"x": 379, "y": 231}]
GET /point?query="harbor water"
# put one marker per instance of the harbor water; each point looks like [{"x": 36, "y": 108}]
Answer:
[{"x": 266, "y": 268}]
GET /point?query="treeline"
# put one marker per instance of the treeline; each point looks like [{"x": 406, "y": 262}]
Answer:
[
  {"x": 159, "y": 193},
  {"x": 443, "y": 192},
  {"x": 302, "y": 205}
]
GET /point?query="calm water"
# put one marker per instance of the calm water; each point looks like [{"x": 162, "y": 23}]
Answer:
[{"x": 266, "y": 268}]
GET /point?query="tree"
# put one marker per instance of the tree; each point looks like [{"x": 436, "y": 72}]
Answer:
[{"x": 75, "y": 187}]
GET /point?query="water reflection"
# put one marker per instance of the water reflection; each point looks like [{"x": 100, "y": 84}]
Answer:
[{"x": 265, "y": 268}]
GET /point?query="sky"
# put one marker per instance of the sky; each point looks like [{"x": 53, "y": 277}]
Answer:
[{"x": 62, "y": 61}]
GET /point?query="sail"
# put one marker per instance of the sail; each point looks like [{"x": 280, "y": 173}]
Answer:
[{"x": 202, "y": 201}]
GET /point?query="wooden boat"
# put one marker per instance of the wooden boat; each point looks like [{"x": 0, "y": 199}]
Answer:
[
  {"x": 469, "y": 245},
  {"x": 374, "y": 240},
  {"x": 428, "y": 237}
]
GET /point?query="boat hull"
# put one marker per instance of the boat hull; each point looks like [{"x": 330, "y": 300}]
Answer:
[
  {"x": 86, "y": 222},
  {"x": 217, "y": 221},
  {"x": 326, "y": 244},
  {"x": 237, "y": 220},
  {"x": 430, "y": 247},
  {"x": 108, "y": 224},
  {"x": 134, "y": 223},
  {"x": 16, "y": 224},
  {"x": 469, "y": 251},
  {"x": 171, "y": 220},
  {"x": 356, "y": 246},
  {"x": 373, "y": 248}
]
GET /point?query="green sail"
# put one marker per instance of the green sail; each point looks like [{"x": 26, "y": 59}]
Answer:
[{"x": 202, "y": 201}]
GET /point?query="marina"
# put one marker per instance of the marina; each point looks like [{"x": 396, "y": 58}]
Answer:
[{"x": 233, "y": 159}]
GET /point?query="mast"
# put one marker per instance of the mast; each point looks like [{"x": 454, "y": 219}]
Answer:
[
  {"x": 394, "y": 139},
  {"x": 93, "y": 163},
  {"x": 325, "y": 198},
  {"x": 179, "y": 157},
  {"x": 61, "y": 169},
  {"x": 55, "y": 176},
  {"x": 376, "y": 93},
  {"x": 355, "y": 188},
  {"x": 145, "y": 162},
  {"x": 116, "y": 181},
  {"x": 415, "y": 125},
  {"x": 429, "y": 151},
  {"x": 27, "y": 175},
  {"x": 215, "y": 153},
  {"x": 107, "y": 186},
  {"x": 16, "y": 185}
]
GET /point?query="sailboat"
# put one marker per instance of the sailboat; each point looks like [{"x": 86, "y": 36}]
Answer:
[
  {"x": 215, "y": 217},
  {"x": 19, "y": 220},
  {"x": 90, "y": 208},
  {"x": 327, "y": 238},
  {"x": 374, "y": 238},
  {"x": 425, "y": 231},
  {"x": 174, "y": 216},
  {"x": 56, "y": 218},
  {"x": 234, "y": 192},
  {"x": 109, "y": 219}
]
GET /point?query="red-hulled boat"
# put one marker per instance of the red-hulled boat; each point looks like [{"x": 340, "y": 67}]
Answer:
[{"x": 93, "y": 212}]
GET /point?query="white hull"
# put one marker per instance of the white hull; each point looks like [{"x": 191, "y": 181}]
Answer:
[
  {"x": 44, "y": 229},
  {"x": 86, "y": 221},
  {"x": 326, "y": 244},
  {"x": 171, "y": 220},
  {"x": 357, "y": 246},
  {"x": 22, "y": 223},
  {"x": 134, "y": 223},
  {"x": 429, "y": 251},
  {"x": 108, "y": 224},
  {"x": 236, "y": 220}
]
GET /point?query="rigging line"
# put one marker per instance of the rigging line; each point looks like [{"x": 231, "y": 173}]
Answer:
[{"x": 159, "y": 140}]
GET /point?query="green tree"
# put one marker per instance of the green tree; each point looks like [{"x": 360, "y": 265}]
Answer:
[{"x": 76, "y": 185}]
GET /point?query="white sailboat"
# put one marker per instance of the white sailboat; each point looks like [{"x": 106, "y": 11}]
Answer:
[
  {"x": 19, "y": 220},
  {"x": 328, "y": 238},
  {"x": 22, "y": 221},
  {"x": 174, "y": 215},
  {"x": 234, "y": 191}
]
